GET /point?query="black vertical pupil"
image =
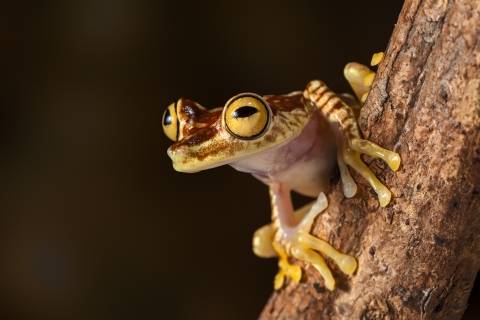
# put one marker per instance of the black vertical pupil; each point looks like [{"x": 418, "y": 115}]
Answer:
[
  {"x": 167, "y": 119},
  {"x": 244, "y": 112}
]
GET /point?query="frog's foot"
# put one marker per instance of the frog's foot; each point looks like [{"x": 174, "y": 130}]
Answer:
[
  {"x": 304, "y": 216},
  {"x": 351, "y": 156},
  {"x": 361, "y": 77},
  {"x": 305, "y": 247},
  {"x": 264, "y": 246},
  {"x": 286, "y": 269}
]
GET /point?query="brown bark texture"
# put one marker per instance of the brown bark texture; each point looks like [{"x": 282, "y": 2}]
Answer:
[{"x": 419, "y": 256}]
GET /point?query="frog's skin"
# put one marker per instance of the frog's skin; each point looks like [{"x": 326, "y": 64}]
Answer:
[{"x": 289, "y": 142}]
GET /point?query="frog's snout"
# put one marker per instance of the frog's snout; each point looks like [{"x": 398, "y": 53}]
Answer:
[
  {"x": 180, "y": 160},
  {"x": 176, "y": 157}
]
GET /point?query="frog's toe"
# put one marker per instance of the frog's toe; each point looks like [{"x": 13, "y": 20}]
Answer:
[
  {"x": 347, "y": 264},
  {"x": 360, "y": 78},
  {"x": 262, "y": 242},
  {"x": 369, "y": 148},
  {"x": 376, "y": 58},
  {"x": 279, "y": 280},
  {"x": 384, "y": 196},
  {"x": 348, "y": 184},
  {"x": 285, "y": 268}
]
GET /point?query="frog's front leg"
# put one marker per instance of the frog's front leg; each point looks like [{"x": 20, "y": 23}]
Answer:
[
  {"x": 292, "y": 238},
  {"x": 351, "y": 145},
  {"x": 360, "y": 78}
]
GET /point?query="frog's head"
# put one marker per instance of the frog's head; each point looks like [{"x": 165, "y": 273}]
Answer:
[{"x": 246, "y": 125}]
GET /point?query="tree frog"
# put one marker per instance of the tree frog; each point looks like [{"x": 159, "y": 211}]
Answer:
[{"x": 290, "y": 142}]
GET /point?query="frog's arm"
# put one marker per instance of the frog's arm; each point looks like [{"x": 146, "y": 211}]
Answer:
[{"x": 352, "y": 145}]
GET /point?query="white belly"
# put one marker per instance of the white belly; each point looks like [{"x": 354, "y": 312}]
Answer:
[
  {"x": 310, "y": 176},
  {"x": 304, "y": 164}
]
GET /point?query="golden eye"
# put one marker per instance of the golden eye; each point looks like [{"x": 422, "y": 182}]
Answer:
[
  {"x": 170, "y": 122},
  {"x": 246, "y": 116}
]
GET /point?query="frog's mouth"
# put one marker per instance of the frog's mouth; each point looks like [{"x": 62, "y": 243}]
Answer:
[{"x": 192, "y": 165}]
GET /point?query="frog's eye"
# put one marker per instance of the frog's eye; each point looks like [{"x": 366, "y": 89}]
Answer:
[
  {"x": 246, "y": 116},
  {"x": 170, "y": 122}
]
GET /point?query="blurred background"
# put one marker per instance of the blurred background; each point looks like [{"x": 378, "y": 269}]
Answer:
[{"x": 94, "y": 222}]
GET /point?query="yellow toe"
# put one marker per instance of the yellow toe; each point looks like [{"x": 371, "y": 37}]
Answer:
[
  {"x": 376, "y": 58},
  {"x": 368, "y": 80},
  {"x": 384, "y": 196},
  {"x": 348, "y": 265},
  {"x": 279, "y": 280},
  {"x": 330, "y": 284},
  {"x": 295, "y": 273},
  {"x": 394, "y": 161}
]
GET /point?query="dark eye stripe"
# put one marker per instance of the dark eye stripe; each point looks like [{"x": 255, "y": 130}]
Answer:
[
  {"x": 167, "y": 119},
  {"x": 244, "y": 112}
]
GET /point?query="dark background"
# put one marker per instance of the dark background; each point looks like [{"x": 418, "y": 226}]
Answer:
[{"x": 94, "y": 222}]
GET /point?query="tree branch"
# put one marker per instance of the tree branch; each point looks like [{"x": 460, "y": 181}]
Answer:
[{"x": 418, "y": 257}]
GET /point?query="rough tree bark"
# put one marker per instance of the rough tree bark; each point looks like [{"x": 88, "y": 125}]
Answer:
[{"x": 418, "y": 257}]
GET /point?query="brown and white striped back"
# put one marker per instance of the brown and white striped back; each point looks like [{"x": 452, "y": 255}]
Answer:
[{"x": 333, "y": 108}]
